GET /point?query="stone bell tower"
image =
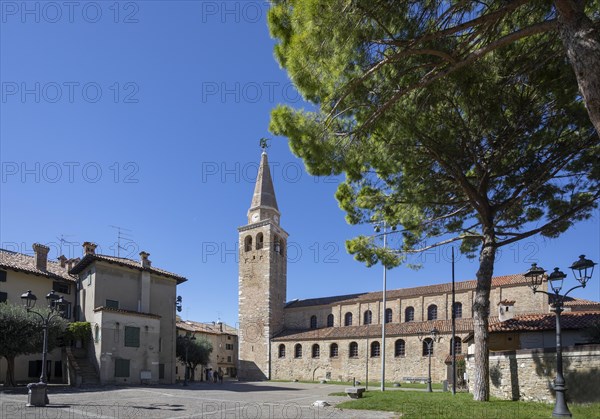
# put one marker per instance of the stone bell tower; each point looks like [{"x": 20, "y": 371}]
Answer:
[{"x": 262, "y": 279}]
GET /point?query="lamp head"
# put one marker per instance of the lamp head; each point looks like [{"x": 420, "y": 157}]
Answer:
[
  {"x": 556, "y": 280},
  {"x": 535, "y": 274},
  {"x": 29, "y": 299},
  {"x": 583, "y": 269}
]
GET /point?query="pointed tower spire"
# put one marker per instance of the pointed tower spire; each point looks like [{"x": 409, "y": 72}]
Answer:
[{"x": 264, "y": 204}]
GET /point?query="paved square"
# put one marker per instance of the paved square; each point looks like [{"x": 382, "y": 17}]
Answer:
[{"x": 230, "y": 400}]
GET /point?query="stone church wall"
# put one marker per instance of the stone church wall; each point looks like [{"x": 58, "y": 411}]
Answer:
[{"x": 345, "y": 368}]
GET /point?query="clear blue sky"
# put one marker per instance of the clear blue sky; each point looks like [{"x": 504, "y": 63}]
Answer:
[{"x": 147, "y": 116}]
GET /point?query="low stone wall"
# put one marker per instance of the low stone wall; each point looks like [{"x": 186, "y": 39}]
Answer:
[{"x": 528, "y": 374}]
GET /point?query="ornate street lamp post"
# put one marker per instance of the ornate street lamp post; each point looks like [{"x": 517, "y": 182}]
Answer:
[
  {"x": 187, "y": 339},
  {"x": 56, "y": 306},
  {"x": 582, "y": 270},
  {"x": 433, "y": 335}
]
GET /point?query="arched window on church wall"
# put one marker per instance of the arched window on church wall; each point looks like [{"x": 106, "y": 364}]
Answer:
[
  {"x": 259, "y": 241},
  {"x": 348, "y": 319},
  {"x": 282, "y": 351},
  {"x": 248, "y": 243},
  {"x": 313, "y": 322},
  {"x": 330, "y": 320},
  {"x": 298, "y": 351},
  {"x": 457, "y": 310},
  {"x": 427, "y": 347},
  {"x": 333, "y": 350},
  {"x": 368, "y": 317},
  {"x": 316, "y": 351},
  {"x": 409, "y": 314},
  {"x": 375, "y": 349},
  {"x": 389, "y": 314},
  {"x": 400, "y": 348},
  {"x": 432, "y": 312},
  {"x": 353, "y": 350}
]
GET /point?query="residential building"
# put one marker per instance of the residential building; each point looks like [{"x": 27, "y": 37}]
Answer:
[
  {"x": 224, "y": 342},
  {"x": 129, "y": 304}
]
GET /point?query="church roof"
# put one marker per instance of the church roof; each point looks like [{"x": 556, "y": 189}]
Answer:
[
  {"x": 264, "y": 193},
  {"x": 499, "y": 281}
]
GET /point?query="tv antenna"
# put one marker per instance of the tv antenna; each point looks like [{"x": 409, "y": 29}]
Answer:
[
  {"x": 122, "y": 234},
  {"x": 62, "y": 241}
]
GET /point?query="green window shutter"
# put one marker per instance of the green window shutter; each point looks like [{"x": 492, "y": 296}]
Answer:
[
  {"x": 132, "y": 336},
  {"x": 121, "y": 368}
]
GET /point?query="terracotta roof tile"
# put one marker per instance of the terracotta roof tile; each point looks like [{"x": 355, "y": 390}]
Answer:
[
  {"x": 577, "y": 303},
  {"x": 130, "y": 263},
  {"x": 26, "y": 263},
  {"x": 499, "y": 281},
  {"x": 547, "y": 321},
  {"x": 211, "y": 328},
  {"x": 123, "y": 311},
  {"x": 374, "y": 330}
]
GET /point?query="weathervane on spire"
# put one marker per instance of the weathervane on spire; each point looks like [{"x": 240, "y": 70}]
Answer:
[{"x": 264, "y": 144}]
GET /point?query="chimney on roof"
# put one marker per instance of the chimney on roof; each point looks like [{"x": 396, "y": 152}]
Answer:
[
  {"x": 72, "y": 262},
  {"x": 89, "y": 248},
  {"x": 63, "y": 261},
  {"x": 506, "y": 310},
  {"x": 41, "y": 256},
  {"x": 144, "y": 261},
  {"x": 220, "y": 324}
]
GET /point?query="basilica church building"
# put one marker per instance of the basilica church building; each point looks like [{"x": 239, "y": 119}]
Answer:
[{"x": 339, "y": 337}]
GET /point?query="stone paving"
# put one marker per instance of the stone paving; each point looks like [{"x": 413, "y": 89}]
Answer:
[{"x": 230, "y": 400}]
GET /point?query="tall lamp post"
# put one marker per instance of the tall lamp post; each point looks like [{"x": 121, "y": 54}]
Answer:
[
  {"x": 56, "y": 306},
  {"x": 187, "y": 339},
  {"x": 385, "y": 233},
  {"x": 582, "y": 270},
  {"x": 429, "y": 340}
]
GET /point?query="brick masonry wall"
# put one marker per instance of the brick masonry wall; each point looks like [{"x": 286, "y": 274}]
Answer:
[{"x": 529, "y": 374}]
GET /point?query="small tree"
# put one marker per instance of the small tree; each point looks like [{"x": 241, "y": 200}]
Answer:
[
  {"x": 198, "y": 352},
  {"x": 22, "y": 335},
  {"x": 81, "y": 331}
]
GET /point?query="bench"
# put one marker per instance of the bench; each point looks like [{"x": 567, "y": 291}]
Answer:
[
  {"x": 355, "y": 392},
  {"x": 415, "y": 379}
]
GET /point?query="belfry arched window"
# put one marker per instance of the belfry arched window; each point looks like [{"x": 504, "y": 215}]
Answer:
[
  {"x": 248, "y": 243},
  {"x": 259, "y": 241}
]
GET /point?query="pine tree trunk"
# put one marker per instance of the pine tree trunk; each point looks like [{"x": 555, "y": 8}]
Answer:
[
  {"x": 481, "y": 306},
  {"x": 10, "y": 372},
  {"x": 582, "y": 44}
]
